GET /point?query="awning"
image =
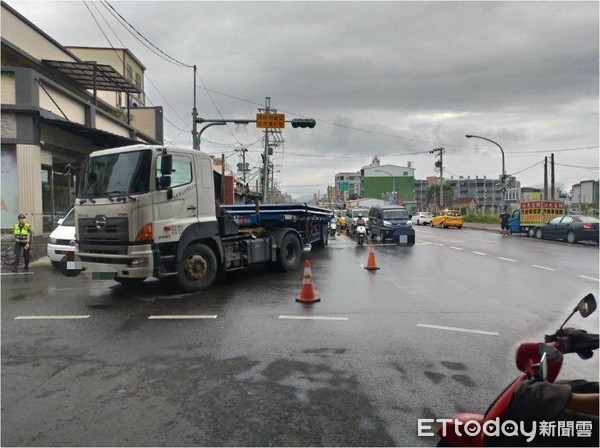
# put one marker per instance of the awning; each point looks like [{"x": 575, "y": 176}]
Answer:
[
  {"x": 107, "y": 78},
  {"x": 98, "y": 137}
]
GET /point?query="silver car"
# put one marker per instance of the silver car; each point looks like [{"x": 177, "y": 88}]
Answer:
[{"x": 422, "y": 218}]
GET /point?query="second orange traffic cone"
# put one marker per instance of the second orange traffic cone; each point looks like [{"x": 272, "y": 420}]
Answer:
[
  {"x": 307, "y": 293},
  {"x": 371, "y": 264}
]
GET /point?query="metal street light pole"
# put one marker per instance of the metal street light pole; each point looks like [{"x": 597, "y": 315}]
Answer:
[
  {"x": 393, "y": 183},
  {"x": 503, "y": 166}
]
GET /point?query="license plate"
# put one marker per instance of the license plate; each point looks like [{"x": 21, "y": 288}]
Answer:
[{"x": 403, "y": 239}]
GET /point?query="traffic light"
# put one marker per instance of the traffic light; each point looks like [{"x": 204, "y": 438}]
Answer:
[{"x": 304, "y": 123}]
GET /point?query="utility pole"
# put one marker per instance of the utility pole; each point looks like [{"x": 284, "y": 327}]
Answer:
[
  {"x": 552, "y": 176},
  {"x": 266, "y": 161},
  {"x": 244, "y": 170},
  {"x": 545, "y": 195},
  {"x": 440, "y": 164},
  {"x": 195, "y": 117}
]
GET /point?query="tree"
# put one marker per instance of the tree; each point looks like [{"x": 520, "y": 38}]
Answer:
[{"x": 433, "y": 194}]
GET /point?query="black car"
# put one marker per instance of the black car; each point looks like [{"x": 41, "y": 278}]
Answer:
[
  {"x": 571, "y": 228},
  {"x": 391, "y": 221}
]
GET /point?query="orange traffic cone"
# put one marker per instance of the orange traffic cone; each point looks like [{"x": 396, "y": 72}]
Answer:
[
  {"x": 371, "y": 264},
  {"x": 307, "y": 293}
]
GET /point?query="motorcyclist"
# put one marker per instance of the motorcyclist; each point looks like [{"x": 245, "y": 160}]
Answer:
[
  {"x": 360, "y": 221},
  {"x": 564, "y": 401}
]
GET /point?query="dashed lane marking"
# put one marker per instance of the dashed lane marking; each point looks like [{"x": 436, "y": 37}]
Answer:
[
  {"x": 182, "y": 316},
  {"x": 461, "y": 330},
  {"x": 312, "y": 318},
  {"x": 543, "y": 267},
  {"x": 478, "y": 253},
  {"x": 589, "y": 278},
  {"x": 50, "y": 317},
  {"x": 17, "y": 273},
  {"x": 507, "y": 259},
  {"x": 456, "y": 248}
]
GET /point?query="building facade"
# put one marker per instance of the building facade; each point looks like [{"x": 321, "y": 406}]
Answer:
[
  {"x": 52, "y": 118},
  {"x": 352, "y": 181},
  {"x": 585, "y": 192},
  {"x": 486, "y": 193},
  {"x": 380, "y": 180}
]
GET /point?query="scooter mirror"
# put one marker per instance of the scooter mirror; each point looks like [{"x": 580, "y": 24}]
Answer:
[{"x": 587, "y": 305}]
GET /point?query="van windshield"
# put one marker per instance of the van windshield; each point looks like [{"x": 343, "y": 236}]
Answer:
[
  {"x": 395, "y": 214},
  {"x": 361, "y": 211}
]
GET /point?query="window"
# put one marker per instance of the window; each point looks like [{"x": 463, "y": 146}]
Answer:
[
  {"x": 114, "y": 174},
  {"x": 138, "y": 80},
  {"x": 555, "y": 220},
  {"x": 567, "y": 220},
  {"x": 129, "y": 73},
  {"x": 181, "y": 173}
]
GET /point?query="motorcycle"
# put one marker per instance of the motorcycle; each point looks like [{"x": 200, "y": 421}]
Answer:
[
  {"x": 361, "y": 234},
  {"x": 537, "y": 362},
  {"x": 332, "y": 228}
]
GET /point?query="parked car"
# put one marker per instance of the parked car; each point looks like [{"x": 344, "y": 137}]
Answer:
[
  {"x": 422, "y": 218},
  {"x": 571, "y": 228},
  {"x": 62, "y": 239},
  {"x": 447, "y": 218},
  {"x": 391, "y": 221}
]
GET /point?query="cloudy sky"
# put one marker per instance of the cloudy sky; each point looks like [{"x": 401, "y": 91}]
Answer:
[{"x": 387, "y": 79}]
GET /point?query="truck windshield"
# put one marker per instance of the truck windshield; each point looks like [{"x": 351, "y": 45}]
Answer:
[
  {"x": 114, "y": 174},
  {"x": 395, "y": 214}
]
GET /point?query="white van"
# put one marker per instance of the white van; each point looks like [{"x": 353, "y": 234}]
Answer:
[{"x": 62, "y": 239}]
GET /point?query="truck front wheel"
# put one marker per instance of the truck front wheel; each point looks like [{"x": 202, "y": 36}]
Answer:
[
  {"x": 197, "y": 268},
  {"x": 290, "y": 253}
]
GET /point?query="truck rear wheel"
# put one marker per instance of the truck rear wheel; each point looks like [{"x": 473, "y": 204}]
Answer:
[
  {"x": 290, "y": 253},
  {"x": 197, "y": 268},
  {"x": 324, "y": 240}
]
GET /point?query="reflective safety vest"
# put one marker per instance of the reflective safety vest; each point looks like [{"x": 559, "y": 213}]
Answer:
[{"x": 21, "y": 233}]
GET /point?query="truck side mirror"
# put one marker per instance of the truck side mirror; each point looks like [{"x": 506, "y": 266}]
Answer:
[
  {"x": 165, "y": 181},
  {"x": 166, "y": 164}
]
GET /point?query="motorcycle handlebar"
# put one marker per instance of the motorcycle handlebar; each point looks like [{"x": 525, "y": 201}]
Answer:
[{"x": 573, "y": 341}]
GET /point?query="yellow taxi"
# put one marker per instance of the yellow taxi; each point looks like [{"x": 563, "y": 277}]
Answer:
[{"x": 447, "y": 218}]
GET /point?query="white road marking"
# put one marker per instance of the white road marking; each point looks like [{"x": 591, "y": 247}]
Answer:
[
  {"x": 455, "y": 248},
  {"x": 478, "y": 253},
  {"x": 589, "y": 278},
  {"x": 507, "y": 259},
  {"x": 543, "y": 267},
  {"x": 438, "y": 244},
  {"x": 17, "y": 273},
  {"x": 49, "y": 317},
  {"x": 461, "y": 330},
  {"x": 312, "y": 318},
  {"x": 182, "y": 316}
]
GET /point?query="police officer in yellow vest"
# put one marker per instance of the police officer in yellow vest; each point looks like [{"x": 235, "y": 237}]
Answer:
[{"x": 22, "y": 232}]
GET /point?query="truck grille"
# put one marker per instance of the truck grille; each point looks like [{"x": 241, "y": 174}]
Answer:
[{"x": 111, "y": 239}]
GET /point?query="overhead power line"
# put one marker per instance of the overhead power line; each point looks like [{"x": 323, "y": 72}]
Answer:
[
  {"x": 154, "y": 47},
  {"x": 578, "y": 166}
]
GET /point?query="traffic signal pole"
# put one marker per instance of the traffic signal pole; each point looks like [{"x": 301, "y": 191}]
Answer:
[{"x": 260, "y": 123}]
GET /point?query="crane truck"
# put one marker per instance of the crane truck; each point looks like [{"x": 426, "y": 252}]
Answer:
[{"x": 150, "y": 211}]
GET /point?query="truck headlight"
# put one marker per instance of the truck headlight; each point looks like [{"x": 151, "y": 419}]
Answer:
[
  {"x": 387, "y": 223},
  {"x": 409, "y": 223},
  {"x": 138, "y": 262},
  {"x": 52, "y": 240}
]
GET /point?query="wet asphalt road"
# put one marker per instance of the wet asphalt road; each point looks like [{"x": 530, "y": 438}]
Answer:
[{"x": 249, "y": 373}]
